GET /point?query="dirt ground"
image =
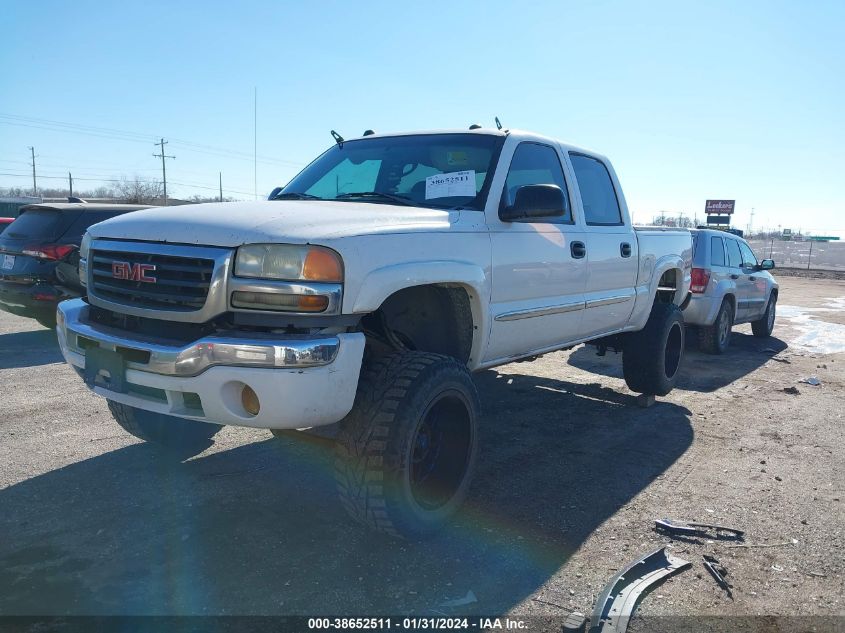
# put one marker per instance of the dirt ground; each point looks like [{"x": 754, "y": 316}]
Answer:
[{"x": 572, "y": 476}]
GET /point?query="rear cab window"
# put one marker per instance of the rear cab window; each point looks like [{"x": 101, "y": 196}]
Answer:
[
  {"x": 717, "y": 251},
  {"x": 598, "y": 195}
]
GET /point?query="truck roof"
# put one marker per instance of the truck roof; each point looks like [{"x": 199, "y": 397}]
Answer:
[{"x": 520, "y": 134}]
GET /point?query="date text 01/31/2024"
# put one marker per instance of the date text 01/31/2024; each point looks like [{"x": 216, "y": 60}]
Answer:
[{"x": 415, "y": 623}]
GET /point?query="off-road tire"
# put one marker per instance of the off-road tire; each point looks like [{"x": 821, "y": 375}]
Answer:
[
  {"x": 379, "y": 440},
  {"x": 714, "y": 339},
  {"x": 186, "y": 437},
  {"x": 762, "y": 327},
  {"x": 652, "y": 357}
]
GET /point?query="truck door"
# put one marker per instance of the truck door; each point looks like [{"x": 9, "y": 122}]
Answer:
[
  {"x": 539, "y": 264},
  {"x": 612, "y": 249}
]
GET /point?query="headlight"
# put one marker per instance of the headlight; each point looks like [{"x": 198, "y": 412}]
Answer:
[
  {"x": 289, "y": 262},
  {"x": 85, "y": 246}
]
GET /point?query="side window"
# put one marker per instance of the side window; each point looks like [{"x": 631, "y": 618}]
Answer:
[
  {"x": 717, "y": 251},
  {"x": 734, "y": 256},
  {"x": 601, "y": 206},
  {"x": 748, "y": 258},
  {"x": 535, "y": 164}
]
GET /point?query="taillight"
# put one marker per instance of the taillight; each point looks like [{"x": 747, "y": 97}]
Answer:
[
  {"x": 49, "y": 251},
  {"x": 700, "y": 279}
]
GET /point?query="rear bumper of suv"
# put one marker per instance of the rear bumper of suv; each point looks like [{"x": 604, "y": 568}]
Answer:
[
  {"x": 33, "y": 300},
  {"x": 702, "y": 309},
  {"x": 298, "y": 381}
]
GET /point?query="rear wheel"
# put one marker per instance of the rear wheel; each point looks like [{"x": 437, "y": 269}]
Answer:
[
  {"x": 406, "y": 452},
  {"x": 187, "y": 437},
  {"x": 652, "y": 357},
  {"x": 763, "y": 327},
  {"x": 714, "y": 339}
]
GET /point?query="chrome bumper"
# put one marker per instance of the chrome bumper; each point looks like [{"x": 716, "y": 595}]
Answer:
[{"x": 76, "y": 333}]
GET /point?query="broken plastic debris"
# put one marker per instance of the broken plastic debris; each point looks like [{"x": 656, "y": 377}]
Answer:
[
  {"x": 791, "y": 390},
  {"x": 812, "y": 380},
  {"x": 461, "y": 602}
]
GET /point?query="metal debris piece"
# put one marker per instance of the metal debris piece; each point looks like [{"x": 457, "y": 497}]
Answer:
[
  {"x": 461, "y": 602},
  {"x": 689, "y": 528},
  {"x": 718, "y": 572},
  {"x": 618, "y": 599},
  {"x": 791, "y": 390},
  {"x": 812, "y": 380},
  {"x": 575, "y": 622}
]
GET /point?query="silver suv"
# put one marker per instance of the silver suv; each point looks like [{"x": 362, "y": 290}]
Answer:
[{"x": 729, "y": 286}]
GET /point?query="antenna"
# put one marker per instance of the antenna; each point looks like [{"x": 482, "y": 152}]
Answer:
[
  {"x": 498, "y": 123},
  {"x": 337, "y": 139}
]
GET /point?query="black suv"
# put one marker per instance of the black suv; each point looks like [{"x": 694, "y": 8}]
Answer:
[{"x": 39, "y": 256}]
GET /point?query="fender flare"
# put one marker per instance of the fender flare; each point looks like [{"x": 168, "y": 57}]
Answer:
[
  {"x": 383, "y": 282},
  {"x": 669, "y": 262}
]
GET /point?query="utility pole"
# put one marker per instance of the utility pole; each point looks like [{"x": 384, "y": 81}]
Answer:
[
  {"x": 34, "y": 185},
  {"x": 750, "y": 222},
  {"x": 255, "y": 143},
  {"x": 220, "y": 176},
  {"x": 70, "y": 183},
  {"x": 162, "y": 156}
]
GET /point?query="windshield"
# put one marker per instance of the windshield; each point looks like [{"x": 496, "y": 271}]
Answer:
[{"x": 432, "y": 170}]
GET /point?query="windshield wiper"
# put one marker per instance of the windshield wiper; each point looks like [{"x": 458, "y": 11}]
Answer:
[
  {"x": 294, "y": 195},
  {"x": 377, "y": 194}
]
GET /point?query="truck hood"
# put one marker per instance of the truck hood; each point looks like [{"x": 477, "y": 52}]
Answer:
[{"x": 236, "y": 223}]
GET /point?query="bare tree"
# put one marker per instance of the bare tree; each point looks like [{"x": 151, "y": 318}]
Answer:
[{"x": 138, "y": 190}]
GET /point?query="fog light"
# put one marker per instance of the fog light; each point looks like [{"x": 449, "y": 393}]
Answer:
[
  {"x": 280, "y": 302},
  {"x": 249, "y": 400}
]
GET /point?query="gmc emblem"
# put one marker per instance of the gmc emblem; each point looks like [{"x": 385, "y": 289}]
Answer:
[{"x": 133, "y": 272}]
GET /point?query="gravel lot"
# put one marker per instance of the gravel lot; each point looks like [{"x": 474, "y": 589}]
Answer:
[{"x": 572, "y": 476}]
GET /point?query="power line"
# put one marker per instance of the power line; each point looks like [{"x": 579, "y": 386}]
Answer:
[{"x": 136, "y": 137}]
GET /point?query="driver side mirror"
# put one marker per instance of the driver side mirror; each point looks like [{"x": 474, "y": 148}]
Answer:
[
  {"x": 534, "y": 201},
  {"x": 767, "y": 264}
]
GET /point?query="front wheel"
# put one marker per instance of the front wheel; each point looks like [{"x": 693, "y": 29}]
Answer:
[
  {"x": 651, "y": 359},
  {"x": 763, "y": 327},
  {"x": 406, "y": 452},
  {"x": 187, "y": 437}
]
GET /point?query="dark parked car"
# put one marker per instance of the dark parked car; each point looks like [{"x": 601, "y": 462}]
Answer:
[{"x": 39, "y": 256}]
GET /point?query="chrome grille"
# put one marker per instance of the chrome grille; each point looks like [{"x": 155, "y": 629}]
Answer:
[{"x": 181, "y": 283}]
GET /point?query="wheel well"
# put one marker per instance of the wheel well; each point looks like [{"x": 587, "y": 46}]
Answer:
[
  {"x": 730, "y": 298},
  {"x": 667, "y": 286},
  {"x": 431, "y": 318}
]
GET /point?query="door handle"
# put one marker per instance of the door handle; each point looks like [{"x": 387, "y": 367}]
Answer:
[
  {"x": 734, "y": 276},
  {"x": 578, "y": 250},
  {"x": 625, "y": 249}
]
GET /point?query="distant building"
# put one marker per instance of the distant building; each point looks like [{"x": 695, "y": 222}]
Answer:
[{"x": 9, "y": 205}]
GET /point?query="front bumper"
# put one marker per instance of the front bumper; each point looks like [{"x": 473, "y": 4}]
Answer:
[{"x": 300, "y": 381}]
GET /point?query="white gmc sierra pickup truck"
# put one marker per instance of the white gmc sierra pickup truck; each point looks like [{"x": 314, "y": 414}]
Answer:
[{"x": 365, "y": 292}]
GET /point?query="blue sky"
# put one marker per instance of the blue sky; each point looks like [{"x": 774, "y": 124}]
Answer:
[{"x": 689, "y": 100}]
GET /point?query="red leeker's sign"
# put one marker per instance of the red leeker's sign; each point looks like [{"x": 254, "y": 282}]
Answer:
[{"x": 719, "y": 206}]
